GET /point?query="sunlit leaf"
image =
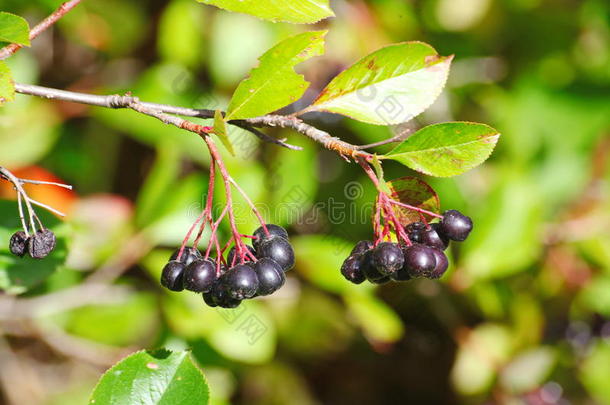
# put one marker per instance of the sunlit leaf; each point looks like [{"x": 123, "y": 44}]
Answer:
[
  {"x": 7, "y": 86},
  {"x": 294, "y": 11},
  {"x": 220, "y": 129},
  {"x": 414, "y": 192},
  {"x": 389, "y": 86},
  {"x": 14, "y": 29}
]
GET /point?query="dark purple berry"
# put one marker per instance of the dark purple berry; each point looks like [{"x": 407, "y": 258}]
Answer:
[
  {"x": 274, "y": 230},
  {"x": 278, "y": 249},
  {"x": 221, "y": 297},
  {"x": 430, "y": 237},
  {"x": 437, "y": 227},
  {"x": 441, "y": 264},
  {"x": 381, "y": 280},
  {"x": 352, "y": 269},
  {"x": 19, "y": 244},
  {"x": 387, "y": 258},
  {"x": 270, "y": 276},
  {"x": 231, "y": 256},
  {"x": 414, "y": 231},
  {"x": 419, "y": 260},
  {"x": 41, "y": 244},
  {"x": 455, "y": 225},
  {"x": 200, "y": 276},
  {"x": 370, "y": 271},
  {"x": 189, "y": 255},
  {"x": 361, "y": 247},
  {"x": 241, "y": 282},
  {"x": 172, "y": 275},
  {"x": 209, "y": 300}
]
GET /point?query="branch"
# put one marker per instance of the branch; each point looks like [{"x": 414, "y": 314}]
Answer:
[{"x": 41, "y": 27}]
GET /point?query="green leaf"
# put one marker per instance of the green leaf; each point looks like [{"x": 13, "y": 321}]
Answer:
[
  {"x": 294, "y": 11},
  {"x": 274, "y": 83},
  {"x": 415, "y": 192},
  {"x": 220, "y": 129},
  {"x": 390, "y": 86},
  {"x": 446, "y": 149},
  {"x": 152, "y": 377},
  {"x": 380, "y": 177},
  {"x": 14, "y": 29},
  {"x": 7, "y": 86}
]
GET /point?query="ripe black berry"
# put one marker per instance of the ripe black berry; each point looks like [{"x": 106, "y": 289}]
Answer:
[
  {"x": 455, "y": 225},
  {"x": 278, "y": 249},
  {"x": 200, "y": 276},
  {"x": 189, "y": 255},
  {"x": 370, "y": 271},
  {"x": 352, "y": 269},
  {"x": 270, "y": 276},
  {"x": 441, "y": 264},
  {"x": 387, "y": 258},
  {"x": 361, "y": 247},
  {"x": 231, "y": 256},
  {"x": 419, "y": 260},
  {"x": 241, "y": 282},
  {"x": 172, "y": 275},
  {"x": 414, "y": 231},
  {"x": 221, "y": 297},
  {"x": 41, "y": 244},
  {"x": 381, "y": 280},
  {"x": 274, "y": 230},
  {"x": 19, "y": 244},
  {"x": 208, "y": 298},
  {"x": 430, "y": 237}
]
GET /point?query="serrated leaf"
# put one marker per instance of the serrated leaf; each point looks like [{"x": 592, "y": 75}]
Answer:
[
  {"x": 7, "y": 86},
  {"x": 152, "y": 377},
  {"x": 220, "y": 129},
  {"x": 446, "y": 149},
  {"x": 390, "y": 86},
  {"x": 293, "y": 11},
  {"x": 14, "y": 29},
  {"x": 274, "y": 83},
  {"x": 415, "y": 192}
]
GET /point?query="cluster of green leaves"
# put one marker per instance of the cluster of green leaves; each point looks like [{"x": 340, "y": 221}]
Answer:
[{"x": 13, "y": 29}]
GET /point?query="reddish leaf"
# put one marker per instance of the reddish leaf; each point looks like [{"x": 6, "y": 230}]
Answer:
[{"x": 415, "y": 192}]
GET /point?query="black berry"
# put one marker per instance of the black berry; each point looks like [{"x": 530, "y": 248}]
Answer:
[
  {"x": 221, "y": 297},
  {"x": 208, "y": 298},
  {"x": 381, "y": 280},
  {"x": 414, "y": 231},
  {"x": 200, "y": 276},
  {"x": 270, "y": 276},
  {"x": 403, "y": 273},
  {"x": 241, "y": 282},
  {"x": 419, "y": 260},
  {"x": 387, "y": 258},
  {"x": 41, "y": 244},
  {"x": 430, "y": 237},
  {"x": 370, "y": 271},
  {"x": 455, "y": 225},
  {"x": 260, "y": 235},
  {"x": 231, "y": 256},
  {"x": 361, "y": 247},
  {"x": 172, "y": 275},
  {"x": 352, "y": 269},
  {"x": 441, "y": 264},
  {"x": 19, "y": 244},
  {"x": 189, "y": 255},
  {"x": 278, "y": 249}
]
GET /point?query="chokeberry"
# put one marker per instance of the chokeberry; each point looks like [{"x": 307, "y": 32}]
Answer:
[
  {"x": 232, "y": 260},
  {"x": 430, "y": 237},
  {"x": 208, "y": 298},
  {"x": 419, "y": 260},
  {"x": 414, "y": 231},
  {"x": 270, "y": 276},
  {"x": 221, "y": 297},
  {"x": 41, "y": 243},
  {"x": 200, "y": 276},
  {"x": 370, "y": 271},
  {"x": 352, "y": 269},
  {"x": 381, "y": 280},
  {"x": 189, "y": 255},
  {"x": 274, "y": 230},
  {"x": 455, "y": 225},
  {"x": 361, "y": 247},
  {"x": 387, "y": 258},
  {"x": 403, "y": 274},
  {"x": 441, "y": 264},
  {"x": 19, "y": 244},
  {"x": 172, "y": 275},
  {"x": 241, "y": 282},
  {"x": 278, "y": 249}
]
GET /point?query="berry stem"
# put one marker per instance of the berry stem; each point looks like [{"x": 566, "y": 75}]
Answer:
[{"x": 21, "y": 216}]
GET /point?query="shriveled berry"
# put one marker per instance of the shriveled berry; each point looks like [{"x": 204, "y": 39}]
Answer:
[
  {"x": 361, "y": 247},
  {"x": 189, "y": 255},
  {"x": 200, "y": 276},
  {"x": 455, "y": 225},
  {"x": 172, "y": 275},
  {"x": 419, "y": 260},
  {"x": 270, "y": 276},
  {"x": 231, "y": 256},
  {"x": 352, "y": 269},
  {"x": 387, "y": 258},
  {"x": 430, "y": 237},
  {"x": 18, "y": 244},
  {"x": 274, "y": 230},
  {"x": 414, "y": 231},
  {"x": 241, "y": 282},
  {"x": 278, "y": 249},
  {"x": 41, "y": 244},
  {"x": 441, "y": 264}
]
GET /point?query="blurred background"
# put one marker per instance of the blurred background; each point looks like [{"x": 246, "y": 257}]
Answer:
[{"x": 522, "y": 316}]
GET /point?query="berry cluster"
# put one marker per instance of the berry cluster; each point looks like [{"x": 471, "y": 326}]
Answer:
[
  {"x": 38, "y": 245},
  {"x": 257, "y": 271},
  {"x": 423, "y": 257}
]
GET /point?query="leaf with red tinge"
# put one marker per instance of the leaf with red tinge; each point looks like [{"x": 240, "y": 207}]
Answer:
[{"x": 414, "y": 192}]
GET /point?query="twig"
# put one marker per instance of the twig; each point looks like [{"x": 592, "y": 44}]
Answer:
[
  {"x": 396, "y": 138},
  {"x": 46, "y": 207},
  {"x": 41, "y": 27},
  {"x": 6, "y": 174}
]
